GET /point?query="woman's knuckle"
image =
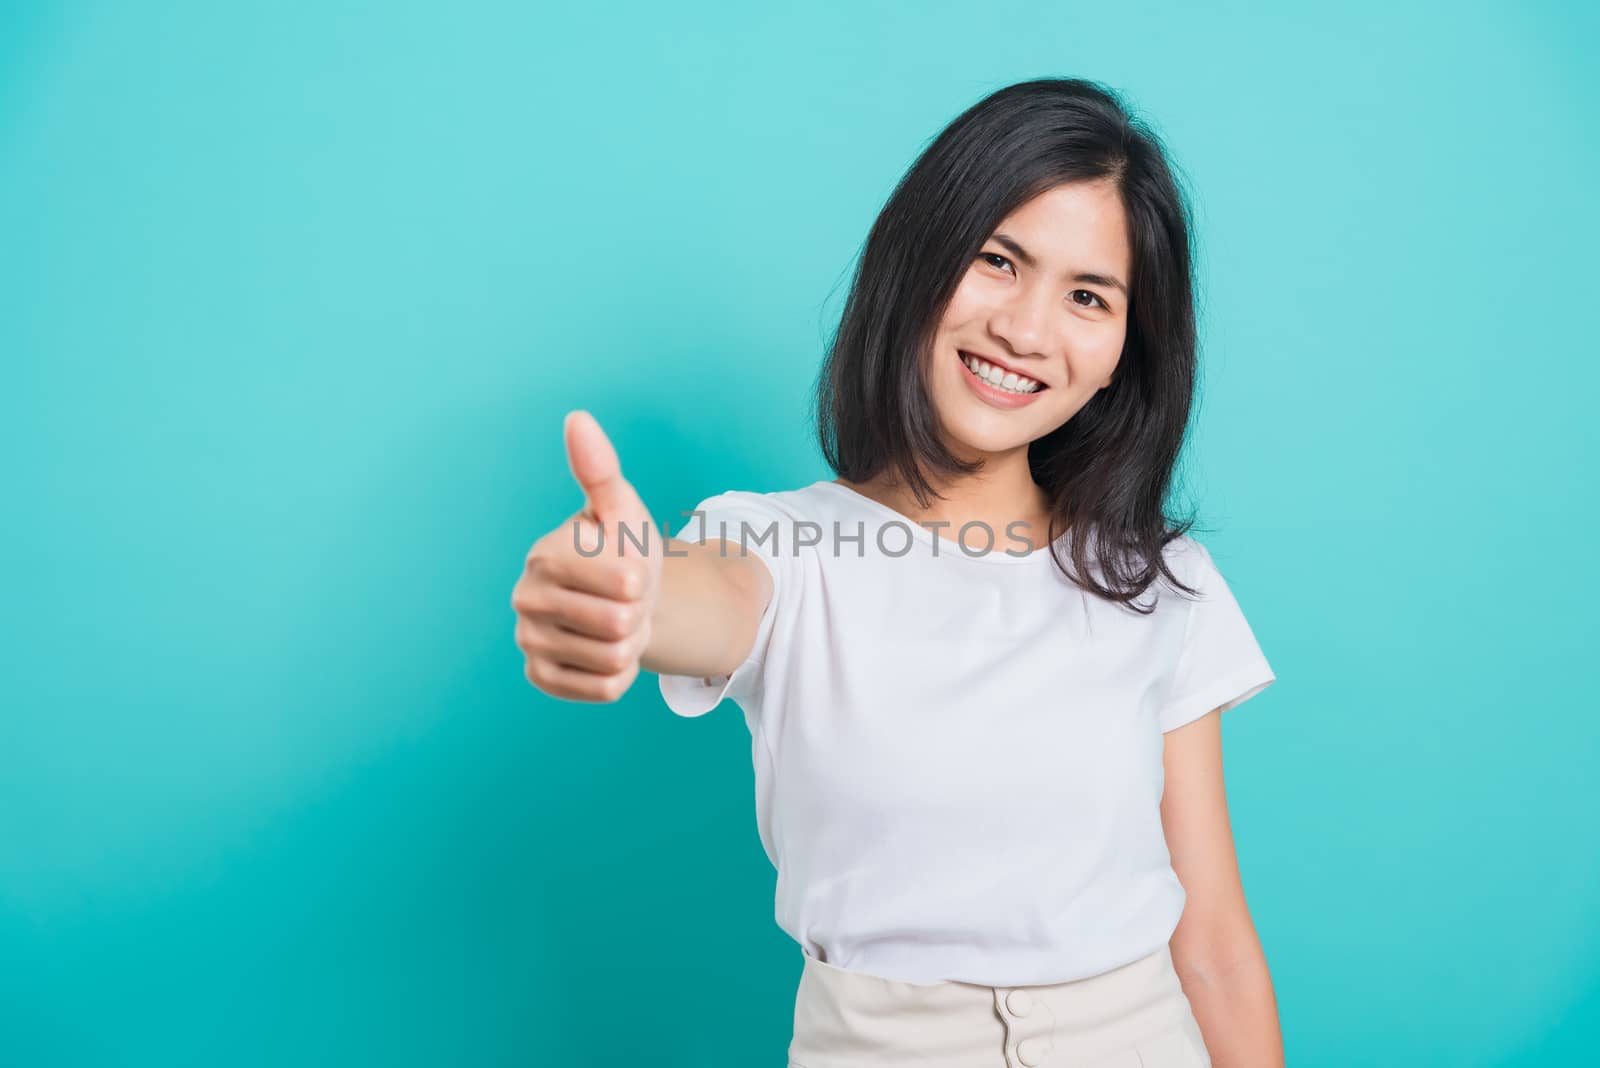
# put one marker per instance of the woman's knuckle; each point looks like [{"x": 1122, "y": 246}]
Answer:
[
  {"x": 539, "y": 568},
  {"x": 533, "y": 640},
  {"x": 618, "y": 657},
  {"x": 533, "y": 671},
  {"x": 632, "y": 581}
]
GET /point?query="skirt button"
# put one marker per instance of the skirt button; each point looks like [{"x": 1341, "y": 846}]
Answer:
[{"x": 1031, "y": 1051}]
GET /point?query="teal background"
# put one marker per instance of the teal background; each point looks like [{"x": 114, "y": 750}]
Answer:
[{"x": 295, "y": 298}]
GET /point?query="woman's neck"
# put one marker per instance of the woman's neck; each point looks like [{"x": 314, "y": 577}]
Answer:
[{"x": 996, "y": 498}]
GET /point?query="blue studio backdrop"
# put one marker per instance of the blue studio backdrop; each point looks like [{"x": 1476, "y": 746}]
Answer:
[{"x": 296, "y": 296}]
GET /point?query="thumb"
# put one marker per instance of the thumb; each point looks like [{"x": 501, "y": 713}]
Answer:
[{"x": 608, "y": 497}]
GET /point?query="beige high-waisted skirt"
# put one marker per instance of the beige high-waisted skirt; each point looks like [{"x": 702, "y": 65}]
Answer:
[{"x": 1135, "y": 1016}]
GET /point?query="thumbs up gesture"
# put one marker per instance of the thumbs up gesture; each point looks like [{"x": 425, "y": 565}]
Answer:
[{"x": 583, "y": 616}]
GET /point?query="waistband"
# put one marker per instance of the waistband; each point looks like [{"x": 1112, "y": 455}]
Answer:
[{"x": 845, "y": 1017}]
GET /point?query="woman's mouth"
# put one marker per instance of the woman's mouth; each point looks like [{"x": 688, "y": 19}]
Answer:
[{"x": 997, "y": 386}]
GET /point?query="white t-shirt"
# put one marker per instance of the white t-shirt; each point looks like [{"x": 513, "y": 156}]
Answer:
[{"x": 958, "y": 757}]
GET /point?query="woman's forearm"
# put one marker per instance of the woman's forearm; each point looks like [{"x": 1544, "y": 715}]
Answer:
[
  {"x": 1237, "y": 1011},
  {"x": 708, "y": 610}
]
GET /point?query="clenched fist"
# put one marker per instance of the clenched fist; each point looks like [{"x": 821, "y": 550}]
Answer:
[{"x": 583, "y": 618}]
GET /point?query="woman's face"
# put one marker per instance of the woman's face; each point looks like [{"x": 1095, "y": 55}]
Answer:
[{"x": 1045, "y": 298}]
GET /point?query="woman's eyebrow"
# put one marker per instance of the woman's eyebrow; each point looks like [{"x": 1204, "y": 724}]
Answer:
[{"x": 1026, "y": 257}]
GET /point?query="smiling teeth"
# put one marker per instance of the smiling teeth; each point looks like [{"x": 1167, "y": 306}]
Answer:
[{"x": 1009, "y": 381}]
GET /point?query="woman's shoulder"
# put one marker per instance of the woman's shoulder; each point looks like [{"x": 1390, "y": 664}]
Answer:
[
  {"x": 758, "y": 510},
  {"x": 1191, "y": 560},
  {"x": 801, "y": 502},
  {"x": 1185, "y": 551}
]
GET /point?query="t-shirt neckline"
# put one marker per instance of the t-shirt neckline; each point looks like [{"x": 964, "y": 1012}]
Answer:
[{"x": 1000, "y": 554}]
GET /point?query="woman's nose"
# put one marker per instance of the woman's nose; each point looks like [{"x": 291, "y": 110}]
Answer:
[{"x": 1023, "y": 321}]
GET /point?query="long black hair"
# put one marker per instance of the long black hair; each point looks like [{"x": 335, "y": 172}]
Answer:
[{"x": 1107, "y": 470}]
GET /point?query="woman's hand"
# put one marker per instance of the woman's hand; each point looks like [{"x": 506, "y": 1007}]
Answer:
[{"x": 584, "y": 617}]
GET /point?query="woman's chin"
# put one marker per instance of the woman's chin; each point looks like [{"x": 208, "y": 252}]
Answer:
[{"x": 975, "y": 444}]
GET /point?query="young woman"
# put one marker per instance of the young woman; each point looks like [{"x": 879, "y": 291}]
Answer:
[{"x": 982, "y": 669}]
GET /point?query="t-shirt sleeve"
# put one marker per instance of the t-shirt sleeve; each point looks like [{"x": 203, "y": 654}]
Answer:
[
  {"x": 1221, "y": 664},
  {"x": 764, "y": 535}
]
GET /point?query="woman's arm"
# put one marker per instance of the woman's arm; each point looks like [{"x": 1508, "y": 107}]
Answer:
[
  {"x": 1215, "y": 949},
  {"x": 709, "y": 609}
]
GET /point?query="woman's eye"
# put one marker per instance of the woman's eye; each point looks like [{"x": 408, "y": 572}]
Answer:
[{"x": 999, "y": 262}]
